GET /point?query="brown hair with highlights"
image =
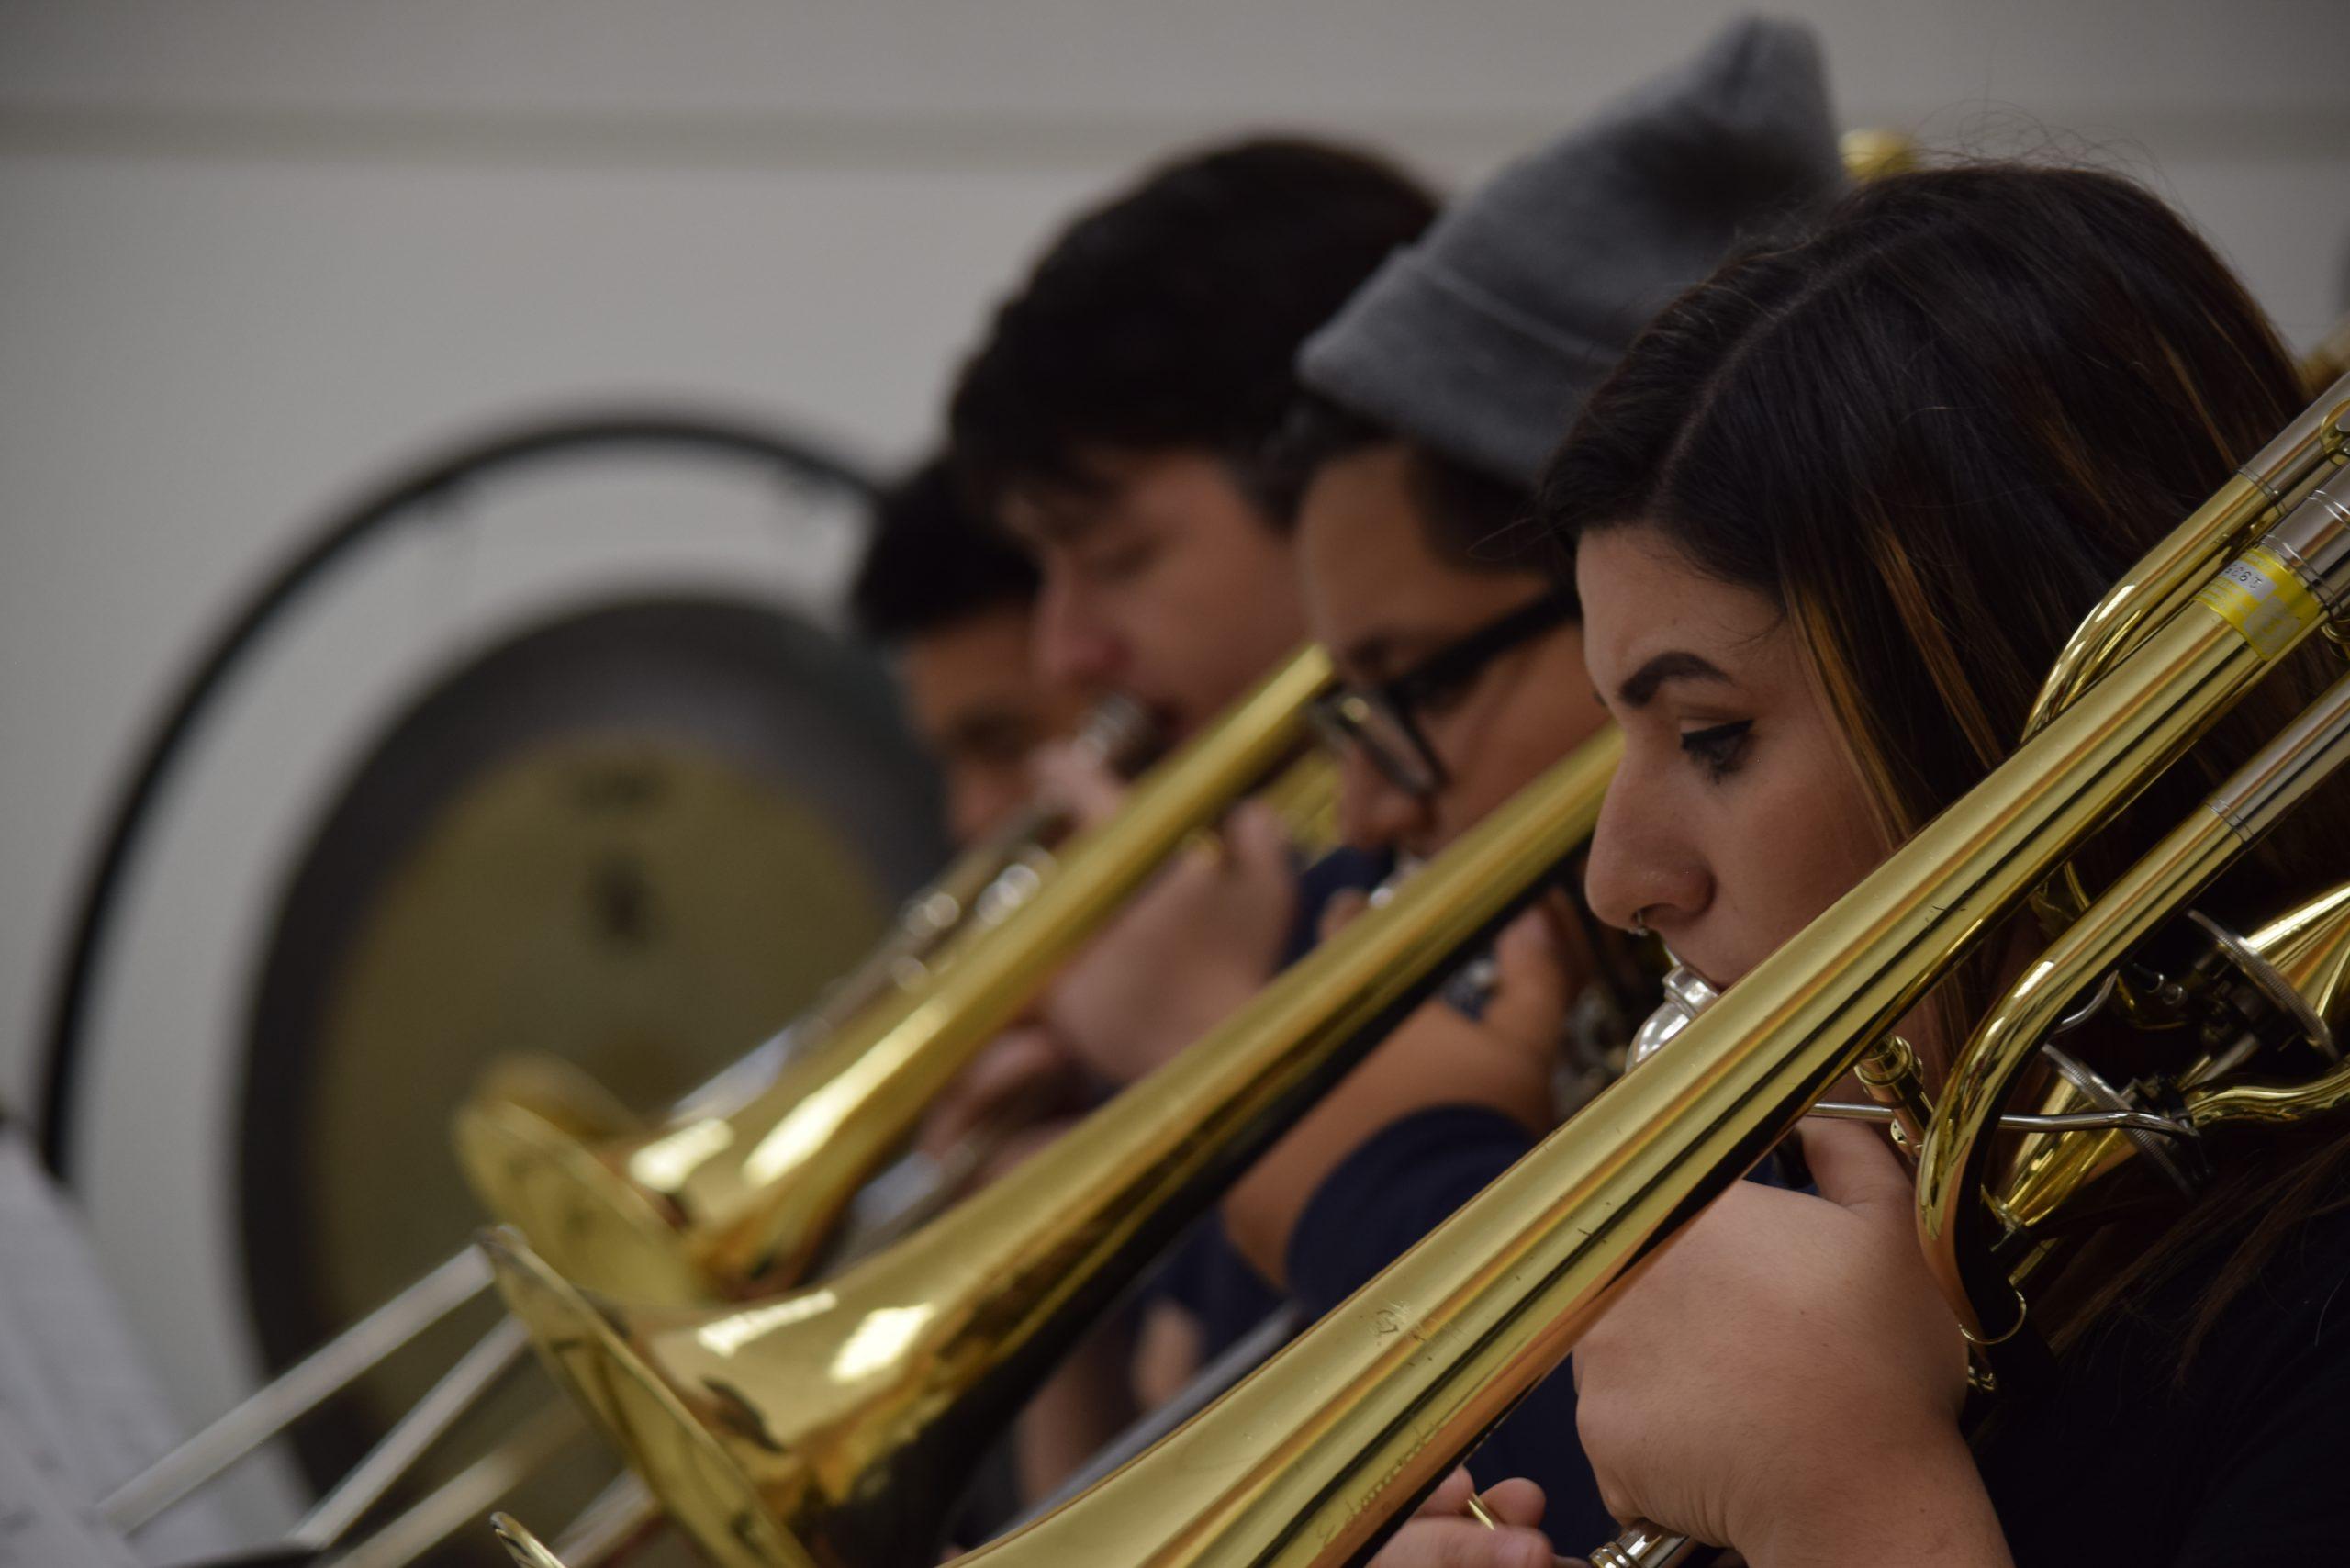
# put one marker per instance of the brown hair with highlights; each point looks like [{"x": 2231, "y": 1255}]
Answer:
[{"x": 1933, "y": 432}]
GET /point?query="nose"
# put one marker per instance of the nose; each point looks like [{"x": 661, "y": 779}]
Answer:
[
  {"x": 1373, "y": 815},
  {"x": 1641, "y": 870},
  {"x": 1072, "y": 650}
]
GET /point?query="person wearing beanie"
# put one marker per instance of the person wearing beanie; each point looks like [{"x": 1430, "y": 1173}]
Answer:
[
  {"x": 1430, "y": 405},
  {"x": 1480, "y": 341}
]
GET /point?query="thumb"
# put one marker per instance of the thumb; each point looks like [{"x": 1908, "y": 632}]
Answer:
[
  {"x": 1452, "y": 1494},
  {"x": 1517, "y": 1501},
  {"x": 1530, "y": 1001},
  {"x": 1856, "y": 1169}
]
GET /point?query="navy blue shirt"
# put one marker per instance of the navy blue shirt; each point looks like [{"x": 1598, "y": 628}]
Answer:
[
  {"x": 1203, "y": 1273},
  {"x": 1400, "y": 1185},
  {"x": 2234, "y": 1456}
]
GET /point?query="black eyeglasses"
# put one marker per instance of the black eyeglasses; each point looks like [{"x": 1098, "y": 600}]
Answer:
[{"x": 1379, "y": 719}]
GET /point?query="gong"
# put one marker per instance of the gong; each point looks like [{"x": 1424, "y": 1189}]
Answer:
[{"x": 639, "y": 837}]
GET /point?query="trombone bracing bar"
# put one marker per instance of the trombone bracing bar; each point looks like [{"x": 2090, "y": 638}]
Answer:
[{"x": 318, "y": 1376}]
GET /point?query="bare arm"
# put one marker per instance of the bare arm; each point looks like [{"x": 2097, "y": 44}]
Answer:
[{"x": 1437, "y": 1057}]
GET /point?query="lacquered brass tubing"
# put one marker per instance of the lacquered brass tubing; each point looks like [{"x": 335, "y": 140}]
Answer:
[
  {"x": 1305, "y": 1465},
  {"x": 724, "y": 1204},
  {"x": 2169, "y": 575},
  {"x": 835, "y": 1425},
  {"x": 2324, "y": 924},
  {"x": 984, "y": 884},
  {"x": 1894, "y": 1078},
  {"x": 1954, "y": 1227}
]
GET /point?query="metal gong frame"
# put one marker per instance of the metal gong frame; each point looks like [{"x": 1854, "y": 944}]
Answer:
[{"x": 378, "y": 512}]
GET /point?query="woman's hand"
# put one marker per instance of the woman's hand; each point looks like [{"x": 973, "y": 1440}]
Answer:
[
  {"x": 1785, "y": 1380},
  {"x": 1444, "y": 1534}
]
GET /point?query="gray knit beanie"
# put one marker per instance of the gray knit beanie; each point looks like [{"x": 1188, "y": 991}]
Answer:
[{"x": 1482, "y": 340}]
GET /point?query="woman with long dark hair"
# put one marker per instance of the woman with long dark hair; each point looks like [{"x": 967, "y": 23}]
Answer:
[{"x": 1831, "y": 521}]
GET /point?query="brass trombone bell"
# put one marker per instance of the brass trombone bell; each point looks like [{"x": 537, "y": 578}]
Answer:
[
  {"x": 722, "y": 1205},
  {"x": 833, "y": 1425}
]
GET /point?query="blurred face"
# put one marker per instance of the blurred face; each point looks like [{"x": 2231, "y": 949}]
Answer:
[
  {"x": 1737, "y": 814},
  {"x": 1166, "y": 584},
  {"x": 978, "y": 710},
  {"x": 1382, "y": 601}
]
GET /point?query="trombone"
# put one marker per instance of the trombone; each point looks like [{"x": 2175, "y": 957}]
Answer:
[
  {"x": 1308, "y": 1463},
  {"x": 982, "y": 890},
  {"x": 727, "y": 1203},
  {"x": 836, "y": 1424}
]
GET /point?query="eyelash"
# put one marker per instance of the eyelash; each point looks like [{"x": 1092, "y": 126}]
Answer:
[{"x": 1718, "y": 749}]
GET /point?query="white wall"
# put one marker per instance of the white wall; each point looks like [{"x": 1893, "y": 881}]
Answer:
[{"x": 254, "y": 251}]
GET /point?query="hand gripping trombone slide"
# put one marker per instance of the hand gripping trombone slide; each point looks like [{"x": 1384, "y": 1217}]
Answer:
[
  {"x": 978, "y": 890},
  {"x": 734, "y": 1202},
  {"x": 1309, "y": 1462},
  {"x": 834, "y": 1425}
]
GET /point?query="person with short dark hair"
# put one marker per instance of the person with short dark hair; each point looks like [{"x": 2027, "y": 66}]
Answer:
[
  {"x": 1115, "y": 418},
  {"x": 955, "y": 603}
]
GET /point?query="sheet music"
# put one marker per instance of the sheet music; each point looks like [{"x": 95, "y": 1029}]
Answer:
[
  {"x": 78, "y": 1412},
  {"x": 38, "y": 1528}
]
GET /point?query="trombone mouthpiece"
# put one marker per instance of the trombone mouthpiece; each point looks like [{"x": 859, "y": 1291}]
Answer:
[{"x": 1687, "y": 995}]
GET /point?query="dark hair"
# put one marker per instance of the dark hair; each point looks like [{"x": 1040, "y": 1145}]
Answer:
[
  {"x": 1168, "y": 317},
  {"x": 1933, "y": 432},
  {"x": 929, "y": 562},
  {"x": 1469, "y": 519}
]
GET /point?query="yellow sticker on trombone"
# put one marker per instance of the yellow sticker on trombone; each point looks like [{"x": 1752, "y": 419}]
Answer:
[{"x": 2261, "y": 597}]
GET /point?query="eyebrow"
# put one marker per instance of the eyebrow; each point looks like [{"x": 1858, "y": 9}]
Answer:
[{"x": 1675, "y": 664}]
